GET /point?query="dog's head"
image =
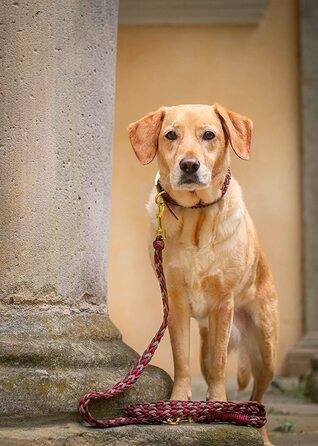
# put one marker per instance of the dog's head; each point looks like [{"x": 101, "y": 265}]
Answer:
[{"x": 191, "y": 142}]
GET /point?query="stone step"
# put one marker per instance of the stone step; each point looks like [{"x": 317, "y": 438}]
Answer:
[{"x": 76, "y": 434}]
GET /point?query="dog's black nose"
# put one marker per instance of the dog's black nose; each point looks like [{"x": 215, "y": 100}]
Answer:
[{"x": 189, "y": 165}]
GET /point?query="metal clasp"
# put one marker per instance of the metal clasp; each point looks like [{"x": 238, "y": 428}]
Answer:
[
  {"x": 178, "y": 420},
  {"x": 161, "y": 209},
  {"x": 172, "y": 420}
]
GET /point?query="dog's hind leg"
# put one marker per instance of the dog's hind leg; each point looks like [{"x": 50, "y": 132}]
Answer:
[
  {"x": 262, "y": 364},
  {"x": 263, "y": 353},
  {"x": 244, "y": 369},
  {"x": 205, "y": 356}
]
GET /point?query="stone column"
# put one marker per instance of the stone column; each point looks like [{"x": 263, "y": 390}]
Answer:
[
  {"x": 57, "y": 99},
  {"x": 299, "y": 358}
]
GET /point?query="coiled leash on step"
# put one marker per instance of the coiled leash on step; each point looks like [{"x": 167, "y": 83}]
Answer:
[{"x": 250, "y": 413}]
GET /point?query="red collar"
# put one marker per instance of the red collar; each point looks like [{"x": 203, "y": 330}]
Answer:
[{"x": 201, "y": 204}]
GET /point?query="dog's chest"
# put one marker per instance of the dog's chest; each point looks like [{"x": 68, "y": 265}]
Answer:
[
  {"x": 205, "y": 249},
  {"x": 200, "y": 269}
]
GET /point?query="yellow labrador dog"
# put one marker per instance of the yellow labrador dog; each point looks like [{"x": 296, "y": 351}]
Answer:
[{"x": 215, "y": 268}]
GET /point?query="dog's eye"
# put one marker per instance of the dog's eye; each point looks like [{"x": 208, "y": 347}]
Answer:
[
  {"x": 171, "y": 135},
  {"x": 208, "y": 135}
]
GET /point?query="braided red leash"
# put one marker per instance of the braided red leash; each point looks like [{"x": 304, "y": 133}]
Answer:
[{"x": 250, "y": 413}]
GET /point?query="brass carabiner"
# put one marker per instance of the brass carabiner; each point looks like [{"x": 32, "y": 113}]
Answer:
[
  {"x": 161, "y": 209},
  {"x": 172, "y": 420},
  {"x": 178, "y": 420}
]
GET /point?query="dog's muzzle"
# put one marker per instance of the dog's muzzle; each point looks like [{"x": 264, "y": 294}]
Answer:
[{"x": 189, "y": 167}]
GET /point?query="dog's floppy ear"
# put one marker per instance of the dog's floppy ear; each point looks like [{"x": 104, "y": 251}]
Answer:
[
  {"x": 239, "y": 130},
  {"x": 144, "y": 134}
]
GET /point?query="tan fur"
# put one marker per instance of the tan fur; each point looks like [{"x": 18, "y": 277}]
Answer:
[{"x": 215, "y": 268}]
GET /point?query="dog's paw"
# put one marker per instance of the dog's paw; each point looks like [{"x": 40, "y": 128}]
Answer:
[
  {"x": 181, "y": 390},
  {"x": 265, "y": 437},
  {"x": 216, "y": 393},
  {"x": 181, "y": 394}
]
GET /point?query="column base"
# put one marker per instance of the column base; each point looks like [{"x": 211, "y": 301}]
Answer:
[
  {"x": 312, "y": 384},
  {"x": 298, "y": 361},
  {"x": 47, "y": 374}
]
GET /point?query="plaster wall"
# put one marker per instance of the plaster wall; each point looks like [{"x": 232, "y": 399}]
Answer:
[{"x": 249, "y": 69}]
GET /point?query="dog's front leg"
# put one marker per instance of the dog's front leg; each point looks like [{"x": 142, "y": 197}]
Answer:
[
  {"x": 179, "y": 330},
  {"x": 220, "y": 323}
]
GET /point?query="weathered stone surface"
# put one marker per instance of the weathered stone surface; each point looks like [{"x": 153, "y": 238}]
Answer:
[
  {"x": 72, "y": 434},
  {"x": 52, "y": 391},
  {"x": 48, "y": 375},
  {"x": 57, "y": 98}
]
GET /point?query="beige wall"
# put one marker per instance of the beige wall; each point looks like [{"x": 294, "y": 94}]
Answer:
[{"x": 252, "y": 70}]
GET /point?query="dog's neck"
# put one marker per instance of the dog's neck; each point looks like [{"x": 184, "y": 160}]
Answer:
[{"x": 200, "y": 198}]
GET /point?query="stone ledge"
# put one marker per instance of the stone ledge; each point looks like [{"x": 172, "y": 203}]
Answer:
[
  {"x": 172, "y": 12},
  {"x": 75, "y": 434}
]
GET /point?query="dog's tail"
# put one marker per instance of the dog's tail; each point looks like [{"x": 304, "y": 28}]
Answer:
[{"x": 244, "y": 369}]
